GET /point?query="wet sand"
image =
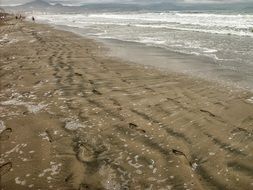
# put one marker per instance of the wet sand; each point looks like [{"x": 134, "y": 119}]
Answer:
[{"x": 73, "y": 118}]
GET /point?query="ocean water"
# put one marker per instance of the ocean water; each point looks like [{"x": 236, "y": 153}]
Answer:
[{"x": 227, "y": 39}]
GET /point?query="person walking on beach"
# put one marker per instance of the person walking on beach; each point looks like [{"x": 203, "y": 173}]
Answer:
[{"x": 33, "y": 19}]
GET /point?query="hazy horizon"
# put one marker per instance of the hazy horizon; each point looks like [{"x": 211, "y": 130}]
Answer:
[{"x": 81, "y": 2}]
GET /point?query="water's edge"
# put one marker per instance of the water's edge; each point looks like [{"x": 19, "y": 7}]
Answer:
[{"x": 194, "y": 66}]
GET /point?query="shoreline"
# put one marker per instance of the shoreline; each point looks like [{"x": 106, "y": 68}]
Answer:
[
  {"x": 74, "y": 118},
  {"x": 167, "y": 61},
  {"x": 194, "y": 66}
]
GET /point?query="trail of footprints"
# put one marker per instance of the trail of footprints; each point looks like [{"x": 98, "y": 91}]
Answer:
[{"x": 144, "y": 133}]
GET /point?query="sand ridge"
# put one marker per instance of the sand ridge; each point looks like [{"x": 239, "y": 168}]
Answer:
[{"x": 73, "y": 118}]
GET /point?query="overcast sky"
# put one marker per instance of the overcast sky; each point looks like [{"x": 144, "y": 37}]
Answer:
[{"x": 79, "y": 2}]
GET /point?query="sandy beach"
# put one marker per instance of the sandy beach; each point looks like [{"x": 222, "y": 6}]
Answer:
[{"x": 73, "y": 118}]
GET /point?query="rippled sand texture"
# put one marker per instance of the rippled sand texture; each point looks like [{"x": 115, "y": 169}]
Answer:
[{"x": 72, "y": 118}]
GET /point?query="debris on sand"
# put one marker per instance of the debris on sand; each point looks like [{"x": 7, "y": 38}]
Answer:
[
  {"x": 74, "y": 125},
  {"x": 2, "y": 126}
]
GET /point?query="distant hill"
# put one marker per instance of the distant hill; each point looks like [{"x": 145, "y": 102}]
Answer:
[
  {"x": 42, "y": 6},
  {"x": 37, "y": 4}
]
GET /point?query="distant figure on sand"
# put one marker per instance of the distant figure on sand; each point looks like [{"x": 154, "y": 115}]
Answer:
[
  {"x": 33, "y": 19},
  {"x": 20, "y": 17}
]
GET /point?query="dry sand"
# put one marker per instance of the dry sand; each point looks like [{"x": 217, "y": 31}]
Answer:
[{"x": 72, "y": 118}]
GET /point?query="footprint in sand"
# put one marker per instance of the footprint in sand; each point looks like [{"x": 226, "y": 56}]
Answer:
[
  {"x": 132, "y": 126},
  {"x": 69, "y": 177},
  {"x": 180, "y": 153},
  {"x": 136, "y": 127},
  {"x": 78, "y": 74},
  {"x": 125, "y": 81},
  {"x": 96, "y": 92},
  {"x": 5, "y": 168},
  {"x": 5, "y": 134},
  {"x": 83, "y": 186},
  {"x": 50, "y": 138},
  {"x": 239, "y": 129},
  {"x": 177, "y": 152},
  {"x": 91, "y": 82},
  {"x": 242, "y": 131},
  {"x": 85, "y": 153}
]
